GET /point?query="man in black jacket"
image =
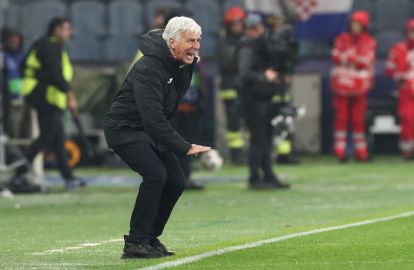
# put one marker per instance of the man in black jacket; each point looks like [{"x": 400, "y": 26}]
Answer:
[
  {"x": 137, "y": 127},
  {"x": 258, "y": 84}
]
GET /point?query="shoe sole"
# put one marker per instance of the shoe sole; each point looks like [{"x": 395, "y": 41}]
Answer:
[
  {"x": 142, "y": 257},
  {"x": 169, "y": 253}
]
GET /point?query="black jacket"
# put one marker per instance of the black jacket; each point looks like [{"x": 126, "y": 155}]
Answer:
[
  {"x": 48, "y": 52},
  {"x": 148, "y": 98},
  {"x": 253, "y": 60},
  {"x": 283, "y": 49}
]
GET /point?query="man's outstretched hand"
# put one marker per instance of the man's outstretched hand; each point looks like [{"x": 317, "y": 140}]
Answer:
[{"x": 196, "y": 149}]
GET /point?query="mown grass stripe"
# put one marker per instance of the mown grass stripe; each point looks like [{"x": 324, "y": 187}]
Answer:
[{"x": 194, "y": 258}]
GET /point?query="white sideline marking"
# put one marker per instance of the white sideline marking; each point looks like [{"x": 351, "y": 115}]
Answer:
[
  {"x": 194, "y": 258},
  {"x": 89, "y": 244},
  {"x": 80, "y": 246},
  {"x": 190, "y": 259}
]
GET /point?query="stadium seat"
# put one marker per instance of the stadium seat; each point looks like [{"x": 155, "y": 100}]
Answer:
[
  {"x": 207, "y": 14},
  {"x": 392, "y": 15},
  {"x": 123, "y": 49},
  {"x": 37, "y": 15},
  {"x": 125, "y": 18},
  {"x": 85, "y": 49},
  {"x": 386, "y": 39},
  {"x": 12, "y": 16},
  {"x": 153, "y": 5},
  {"x": 367, "y": 5},
  {"x": 88, "y": 18}
]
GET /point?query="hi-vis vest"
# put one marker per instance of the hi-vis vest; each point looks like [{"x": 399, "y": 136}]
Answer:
[{"x": 54, "y": 96}]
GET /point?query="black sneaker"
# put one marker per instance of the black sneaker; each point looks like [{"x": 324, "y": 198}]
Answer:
[
  {"x": 157, "y": 245},
  {"x": 140, "y": 250},
  {"x": 259, "y": 185},
  {"x": 276, "y": 182},
  {"x": 21, "y": 184},
  {"x": 74, "y": 184}
]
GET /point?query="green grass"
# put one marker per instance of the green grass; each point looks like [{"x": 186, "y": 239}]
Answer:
[
  {"x": 388, "y": 245},
  {"x": 324, "y": 194}
]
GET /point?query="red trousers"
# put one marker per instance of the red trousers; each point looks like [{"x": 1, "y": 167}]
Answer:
[
  {"x": 406, "y": 114},
  {"x": 350, "y": 113}
]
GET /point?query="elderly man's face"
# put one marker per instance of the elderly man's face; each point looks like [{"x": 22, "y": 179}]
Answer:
[{"x": 186, "y": 48}]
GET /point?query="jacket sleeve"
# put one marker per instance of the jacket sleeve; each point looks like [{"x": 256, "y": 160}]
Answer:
[
  {"x": 365, "y": 58},
  {"x": 247, "y": 74},
  {"x": 341, "y": 53},
  {"x": 148, "y": 92},
  {"x": 394, "y": 66},
  {"x": 52, "y": 61}
]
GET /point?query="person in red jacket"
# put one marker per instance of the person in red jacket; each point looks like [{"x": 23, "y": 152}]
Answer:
[
  {"x": 352, "y": 78},
  {"x": 400, "y": 67}
]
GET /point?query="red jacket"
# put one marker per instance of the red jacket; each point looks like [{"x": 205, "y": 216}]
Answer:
[
  {"x": 354, "y": 58},
  {"x": 400, "y": 66}
]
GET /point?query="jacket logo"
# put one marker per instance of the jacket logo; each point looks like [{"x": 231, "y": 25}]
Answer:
[{"x": 170, "y": 80}]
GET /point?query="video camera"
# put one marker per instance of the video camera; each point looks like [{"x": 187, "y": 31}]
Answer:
[{"x": 283, "y": 123}]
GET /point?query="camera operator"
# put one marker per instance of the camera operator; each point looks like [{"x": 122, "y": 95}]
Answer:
[{"x": 258, "y": 83}]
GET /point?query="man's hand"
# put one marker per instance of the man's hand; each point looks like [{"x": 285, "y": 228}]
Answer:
[
  {"x": 196, "y": 149},
  {"x": 272, "y": 75},
  {"x": 72, "y": 103}
]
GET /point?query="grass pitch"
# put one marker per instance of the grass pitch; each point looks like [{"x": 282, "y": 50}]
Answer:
[{"x": 83, "y": 230}]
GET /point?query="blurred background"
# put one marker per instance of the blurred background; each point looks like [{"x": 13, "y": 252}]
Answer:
[
  {"x": 106, "y": 38},
  {"x": 83, "y": 229}
]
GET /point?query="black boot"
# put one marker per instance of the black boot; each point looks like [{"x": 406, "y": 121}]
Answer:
[
  {"x": 140, "y": 249},
  {"x": 21, "y": 184},
  {"x": 276, "y": 182},
  {"x": 258, "y": 184},
  {"x": 157, "y": 245},
  {"x": 75, "y": 183}
]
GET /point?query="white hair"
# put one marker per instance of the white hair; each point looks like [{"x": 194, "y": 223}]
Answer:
[{"x": 179, "y": 25}]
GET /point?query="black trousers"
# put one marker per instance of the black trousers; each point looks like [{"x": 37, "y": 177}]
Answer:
[
  {"x": 52, "y": 136},
  {"x": 258, "y": 117},
  {"x": 163, "y": 184}
]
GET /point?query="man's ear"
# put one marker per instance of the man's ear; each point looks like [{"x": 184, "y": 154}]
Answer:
[{"x": 172, "y": 43}]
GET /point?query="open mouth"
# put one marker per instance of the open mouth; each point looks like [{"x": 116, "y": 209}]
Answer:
[{"x": 192, "y": 54}]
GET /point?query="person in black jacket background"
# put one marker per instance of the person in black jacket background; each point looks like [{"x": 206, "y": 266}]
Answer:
[
  {"x": 47, "y": 74},
  {"x": 257, "y": 85},
  {"x": 138, "y": 128}
]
